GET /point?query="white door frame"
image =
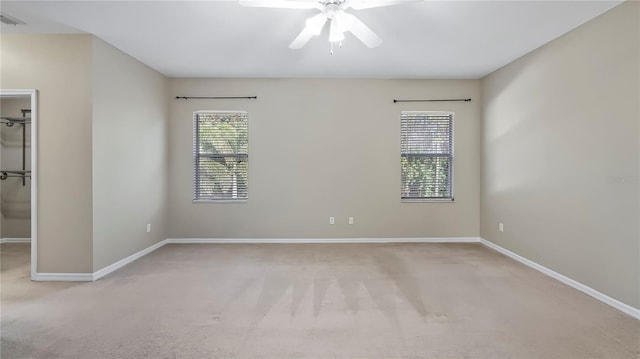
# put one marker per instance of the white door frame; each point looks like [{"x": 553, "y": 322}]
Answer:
[{"x": 33, "y": 94}]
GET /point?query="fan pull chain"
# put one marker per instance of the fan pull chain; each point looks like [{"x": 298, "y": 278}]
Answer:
[{"x": 339, "y": 46}]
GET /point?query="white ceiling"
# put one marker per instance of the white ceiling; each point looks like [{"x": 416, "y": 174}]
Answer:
[{"x": 431, "y": 39}]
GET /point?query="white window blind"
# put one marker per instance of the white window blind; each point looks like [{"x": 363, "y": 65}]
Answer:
[
  {"x": 220, "y": 154},
  {"x": 427, "y": 155}
]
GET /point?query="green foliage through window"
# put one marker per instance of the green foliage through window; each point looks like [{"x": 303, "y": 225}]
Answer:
[
  {"x": 426, "y": 159},
  {"x": 221, "y": 155}
]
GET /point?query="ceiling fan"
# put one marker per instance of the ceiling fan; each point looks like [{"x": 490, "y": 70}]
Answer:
[{"x": 334, "y": 12}]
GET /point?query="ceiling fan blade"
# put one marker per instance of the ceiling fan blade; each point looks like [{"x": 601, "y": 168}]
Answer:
[
  {"x": 282, "y": 4},
  {"x": 314, "y": 27},
  {"x": 363, "y": 32},
  {"x": 301, "y": 40},
  {"x": 368, "y": 4}
]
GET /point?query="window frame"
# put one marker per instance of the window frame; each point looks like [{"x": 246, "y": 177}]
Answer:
[
  {"x": 196, "y": 158},
  {"x": 450, "y": 199}
]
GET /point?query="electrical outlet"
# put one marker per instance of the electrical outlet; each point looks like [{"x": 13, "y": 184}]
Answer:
[
  {"x": 148, "y": 227},
  {"x": 332, "y": 220},
  {"x": 350, "y": 220},
  {"x": 501, "y": 227}
]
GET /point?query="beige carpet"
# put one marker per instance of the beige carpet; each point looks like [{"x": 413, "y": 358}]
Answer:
[{"x": 309, "y": 301}]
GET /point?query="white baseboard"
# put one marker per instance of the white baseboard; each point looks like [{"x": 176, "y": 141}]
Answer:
[
  {"x": 625, "y": 308},
  {"x": 123, "y": 262},
  {"x": 88, "y": 277},
  {"x": 15, "y": 240},
  {"x": 63, "y": 277},
  {"x": 322, "y": 240}
]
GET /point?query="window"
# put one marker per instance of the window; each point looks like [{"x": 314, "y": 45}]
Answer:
[
  {"x": 426, "y": 155},
  {"x": 220, "y": 154}
]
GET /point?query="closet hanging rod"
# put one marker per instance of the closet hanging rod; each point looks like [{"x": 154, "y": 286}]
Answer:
[
  {"x": 217, "y": 97},
  {"x": 16, "y": 171},
  {"x": 6, "y": 174},
  {"x": 441, "y": 100},
  {"x": 16, "y": 119}
]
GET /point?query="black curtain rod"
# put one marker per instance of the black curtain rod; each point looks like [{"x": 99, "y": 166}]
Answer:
[
  {"x": 443, "y": 100},
  {"x": 216, "y": 97}
]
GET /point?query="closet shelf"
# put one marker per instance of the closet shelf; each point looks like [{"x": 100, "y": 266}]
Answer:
[{"x": 4, "y": 174}]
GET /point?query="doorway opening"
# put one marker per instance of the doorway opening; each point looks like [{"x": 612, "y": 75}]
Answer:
[{"x": 18, "y": 170}]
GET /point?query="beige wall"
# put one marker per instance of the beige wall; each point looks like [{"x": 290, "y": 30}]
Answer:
[
  {"x": 130, "y": 118},
  {"x": 59, "y": 66},
  {"x": 560, "y": 155},
  {"x": 102, "y": 136},
  {"x": 15, "y": 198},
  {"x": 320, "y": 148}
]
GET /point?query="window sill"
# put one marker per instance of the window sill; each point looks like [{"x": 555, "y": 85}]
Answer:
[
  {"x": 427, "y": 200},
  {"x": 210, "y": 201}
]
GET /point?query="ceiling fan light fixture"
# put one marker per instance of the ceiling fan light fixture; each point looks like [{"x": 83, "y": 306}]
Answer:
[{"x": 336, "y": 34}]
